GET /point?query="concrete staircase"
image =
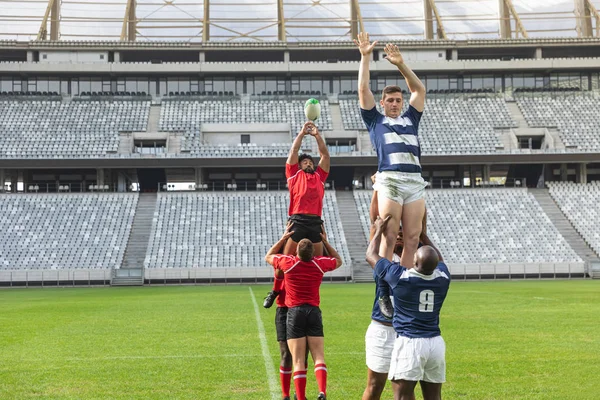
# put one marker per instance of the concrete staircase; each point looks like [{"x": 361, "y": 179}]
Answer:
[
  {"x": 355, "y": 237},
  {"x": 174, "y": 143},
  {"x": 132, "y": 269},
  {"x": 153, "y": 118},
  {"x": 563, "y": 225},
  {"x": 125, "y": 143},
  {"x": 336, "y": 117}
]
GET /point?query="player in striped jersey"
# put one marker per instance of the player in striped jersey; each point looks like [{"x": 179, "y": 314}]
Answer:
[{"x": 394, "y": 136}]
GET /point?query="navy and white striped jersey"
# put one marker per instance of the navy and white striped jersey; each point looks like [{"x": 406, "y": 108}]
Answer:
[
  {"x": 418, "y": 298},
  {"x": 395, "y": 139}
]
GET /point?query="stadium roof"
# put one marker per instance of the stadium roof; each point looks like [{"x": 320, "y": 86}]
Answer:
[{"x": 295, "y": 20}]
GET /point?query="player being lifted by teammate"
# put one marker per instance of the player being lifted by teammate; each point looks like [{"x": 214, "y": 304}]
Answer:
[
  {"x": 306, "y": 185},
  {"x": 419, "y": 351},
  {"x": 394, "y": 136},
  {"x": 303, "y": 276}
]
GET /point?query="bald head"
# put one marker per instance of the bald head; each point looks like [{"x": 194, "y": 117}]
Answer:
[{"x": 426, "y": 260}]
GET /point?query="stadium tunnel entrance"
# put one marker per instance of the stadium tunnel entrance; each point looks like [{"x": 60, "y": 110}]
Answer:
[{"x": 149, "y": 179}]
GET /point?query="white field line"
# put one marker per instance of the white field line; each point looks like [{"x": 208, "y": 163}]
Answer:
[{"x": 270, "y": 368}]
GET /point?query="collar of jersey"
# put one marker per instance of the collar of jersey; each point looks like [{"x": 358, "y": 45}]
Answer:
[{"x": 415, "y": 274}]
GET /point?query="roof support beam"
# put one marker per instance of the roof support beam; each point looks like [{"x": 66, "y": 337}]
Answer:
[
  {"x": 129, "y": 29},
  {"x": 280, "y": 22},
  {"x": 52, "y": 13},
  {"x": 206, "y": 22},
  {"x": 55, "y": 20},
  {"x": 430, "y": 11},
  {"x": 506, "y": 10},
  {"x": 593, "y": 11},
  {"x": 356, "y": 22}
]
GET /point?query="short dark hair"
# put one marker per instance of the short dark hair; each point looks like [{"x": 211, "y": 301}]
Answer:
[
  {"x": 305, "y": 250},
  {"x": 390, "y": 89},
  {"x": 304, "y": 156}
]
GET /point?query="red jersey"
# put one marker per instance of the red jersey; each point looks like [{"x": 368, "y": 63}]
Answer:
[
  {"x": 303, "y": 279},
  {"x": 281, "y": 297},
  {"x": 306, "y": 190}
]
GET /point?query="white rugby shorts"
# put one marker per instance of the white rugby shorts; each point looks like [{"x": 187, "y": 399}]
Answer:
[
  {"x": 419, "y": 359},
  {"x": 401, "y": 187},
  {"x": 379, "y": 344}
]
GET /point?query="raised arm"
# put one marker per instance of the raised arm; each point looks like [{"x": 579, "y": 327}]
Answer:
[
  {"x": 331, "y": 251},
  {"x": 325, "y": 159},
  {"x": 277, "y": 248},
  {"x": 373, "y": 249},
  {"x": 293, "y": 154},
  {"x": 365, "y": 96},
  {"x": 416, "y": 87},
  {"x": 427, "y": 242}
]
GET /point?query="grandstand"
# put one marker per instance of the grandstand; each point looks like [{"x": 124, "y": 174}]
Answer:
[{"x": 93, "y": 122}]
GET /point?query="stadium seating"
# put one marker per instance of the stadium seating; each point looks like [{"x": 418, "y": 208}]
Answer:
[
  {"x": 77, "y": 129},
  {"x": 576, "y": 117},
  {"x": 226, "y": 229},
  {"x": 64, "y": 231},
  {"x": 451, "y": 125},
  {"x": 182, "y": 115},
  {"x": 580, "y": 203},
  {"x": 488, "y": 226}
]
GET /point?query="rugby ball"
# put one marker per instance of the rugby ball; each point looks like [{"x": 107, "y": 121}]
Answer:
[{"x": 312, "y": 109}]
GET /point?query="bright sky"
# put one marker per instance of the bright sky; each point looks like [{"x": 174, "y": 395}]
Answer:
[{"x": 181, "y": 20}]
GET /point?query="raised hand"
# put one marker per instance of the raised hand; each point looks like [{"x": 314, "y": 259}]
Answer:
[
  {"x": 380, "y": 224},
  {"x": 310, "y": 128},
  {"x": 364, "y": 46},
  {"x": 393, "y": 54}
]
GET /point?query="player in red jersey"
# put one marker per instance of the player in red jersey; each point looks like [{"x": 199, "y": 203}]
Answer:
[
  {"x": 303, "y": 276},
  {"x": 307, "y": 189}
]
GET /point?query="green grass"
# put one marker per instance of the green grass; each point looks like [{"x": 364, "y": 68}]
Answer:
[{"x": 505, "y": 340}]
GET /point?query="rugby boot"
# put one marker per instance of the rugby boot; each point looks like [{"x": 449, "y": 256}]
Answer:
[
  {"x": 322, "y": 396},
  {"x": 270, "y": 299},
  {"x": 385, "y": 305}
]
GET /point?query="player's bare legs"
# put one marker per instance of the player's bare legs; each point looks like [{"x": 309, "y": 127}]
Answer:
[
  {"x": 431, "y": 391},
  {"x": 394, "y": 210},
  {"x": 375, "y": 385},
  {"x": 412, "y": 224},
  {"x": 316, "y": 346},
  {"x": 404, "y": 390},
  {"x": 291, "y": 246},
  {"x": 286, "y": 355}
]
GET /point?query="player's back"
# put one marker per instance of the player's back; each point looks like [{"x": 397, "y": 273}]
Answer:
[{"x": 418, "y": 302}]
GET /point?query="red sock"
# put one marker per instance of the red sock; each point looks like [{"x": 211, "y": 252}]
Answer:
[
  {"x": 278, "y": 284},
  {"x": 300, "y": 384},
  {"x": 285, "y": 376},
  {"x": 321, "y": 375}
]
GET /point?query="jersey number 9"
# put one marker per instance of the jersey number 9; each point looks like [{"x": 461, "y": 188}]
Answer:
[{"x": 426, "y": 301}]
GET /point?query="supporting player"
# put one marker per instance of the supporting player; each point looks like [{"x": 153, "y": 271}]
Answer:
[
  {"x": 380, "y": 336},
  {"x": 399, "y": 183},
  {"x": 303, "y": 276},
  {"x": 419, "y": 293},
  {"x": 307, "y": 189}
]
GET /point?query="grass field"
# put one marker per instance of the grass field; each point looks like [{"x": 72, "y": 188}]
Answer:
[{"x": 505, "y": 340}]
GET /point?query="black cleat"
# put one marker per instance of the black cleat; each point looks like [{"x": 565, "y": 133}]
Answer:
[
  {"x": 286, "y": 398},
  {"x": 322, "y": 396},
  {"x": 270, "y": 299},
  {"x": 385, "y": 305}
]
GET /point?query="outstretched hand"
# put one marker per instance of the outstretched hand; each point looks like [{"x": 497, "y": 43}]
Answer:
[
  {"x": 393, "y": 54},
  {"x": 364, "y": 45},
  {"x": 309, "y": 128},
  {"x": 380, "y": 224},
  {"x": 288, "y": 231}
]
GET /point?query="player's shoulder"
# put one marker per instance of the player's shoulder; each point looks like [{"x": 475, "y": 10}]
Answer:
[{"x": 443, "y": 271}]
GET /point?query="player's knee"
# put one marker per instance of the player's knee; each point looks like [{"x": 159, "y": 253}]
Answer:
[
  {"x": 375, "y": 388},
  {"x": 286, "y": 359}
]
